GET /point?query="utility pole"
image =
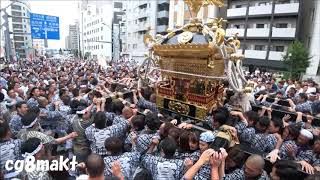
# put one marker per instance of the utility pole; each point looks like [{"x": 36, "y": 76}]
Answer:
[{"x": 82, "y": 39}]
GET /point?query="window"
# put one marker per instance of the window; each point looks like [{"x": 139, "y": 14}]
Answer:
[
  {"x": 19, "y": 44},
  {"x": 19, "y": 26},
  {"x": 16, "y": 7},
  {"x": 239, "y": 6},
  {"x": 259, "y": 47},
  {"x": 134, "y": 46},
  {"x": 101, "y": 46},
  {"x": 101, "y": 28},
  {"x": 279, "y": 48},
  {"x": 260, "y": 26},
  {"x": 18, "y": 38},
  {"x": 237, "y": 26},
  {"x": 283, "y": 1},
  {"x": 282, "y": 25},
  {"x": 117, "y": 5},
  {"x": 17, "y": 19},
  {"x": 312, "y": 14},
  {"x": 14, "y": 13},
  {"x": 309, "y": 40},
  {"x": 101, "y": 37},
  {"x": 262, "y": 3}
]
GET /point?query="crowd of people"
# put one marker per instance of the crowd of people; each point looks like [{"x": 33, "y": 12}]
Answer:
[{"x": 53, "y": 109}]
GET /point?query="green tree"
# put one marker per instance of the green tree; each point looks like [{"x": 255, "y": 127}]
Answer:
[
  {"x": 296, "y": 60},
  {"x": 87, "y": 55},
  {"x": 80, "y": 54},
  {"x": 75, "y": 52}
]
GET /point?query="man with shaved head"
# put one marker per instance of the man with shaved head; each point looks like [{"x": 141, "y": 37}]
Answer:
[
  {"x": 252, "y": 170},
  {"x": 127, "y": 112},
  {"x": 95, "y": 166}
]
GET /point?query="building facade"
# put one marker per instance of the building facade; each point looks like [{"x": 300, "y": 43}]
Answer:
[
  {"x": 118, "y": 13},
  {"x": 266, "y": 29},
  {"x": 123, "y": 34},
  {"x": 74, "y": 36},
  {"x": 180, "y": 14},
  {"x": 144, "y": 17},
  {"x": 311, "y": 37},
  {"x": 20, "y": 28},
  {"x": 96, "y": 29},
  {"x": 67, "y": 42}
]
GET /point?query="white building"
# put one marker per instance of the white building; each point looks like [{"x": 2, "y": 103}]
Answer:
[
  {"x": 19, "y": 25},
  {"x": 74, "y": 36},
  {"x": 140, "y": 16},
  {"x": 2, "y": 42},
  {"x": 311, "y": 25},
  {"x": 179, "y": 13},
  {"x": 95, "y": 28},
  {"x": 67, "y": 42}
]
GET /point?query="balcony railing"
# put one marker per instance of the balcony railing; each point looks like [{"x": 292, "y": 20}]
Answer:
[
  {"x": 255, "y": 54},
  {"x": 284, "y": 32},
  {"x": 251, "y": 32},
  {"x": 276, "y": 56},
  {"x": 260, "y": 10},
  {"x": 258, "y": 32},
  {"x": 236, "y": 12},
  {"x": 233, "y": 31},
  {"x": 289, "y": 8},
  {"x": 263, "y": 32}
]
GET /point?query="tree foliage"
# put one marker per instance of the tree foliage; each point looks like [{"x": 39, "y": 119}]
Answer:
[
  {"x": 296, "y": 59},
  {"x": 60, "y": 51}
]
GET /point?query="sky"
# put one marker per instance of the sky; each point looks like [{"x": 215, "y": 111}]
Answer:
[{"x": 66, "y": 10}]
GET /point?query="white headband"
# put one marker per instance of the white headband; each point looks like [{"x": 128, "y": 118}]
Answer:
[
  {"x": 33, "y": 152},
  {"x": 306, "y": 133},
  {"x": 82, "y": 112},
  {"x": 31, "y": 124}
]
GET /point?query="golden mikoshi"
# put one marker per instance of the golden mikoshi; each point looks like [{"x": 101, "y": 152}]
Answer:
[{"x": 194, "y": 60}]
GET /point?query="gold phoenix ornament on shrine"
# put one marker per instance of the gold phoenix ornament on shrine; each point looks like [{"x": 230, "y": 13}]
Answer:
[{"x": 194, "y": 60}]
